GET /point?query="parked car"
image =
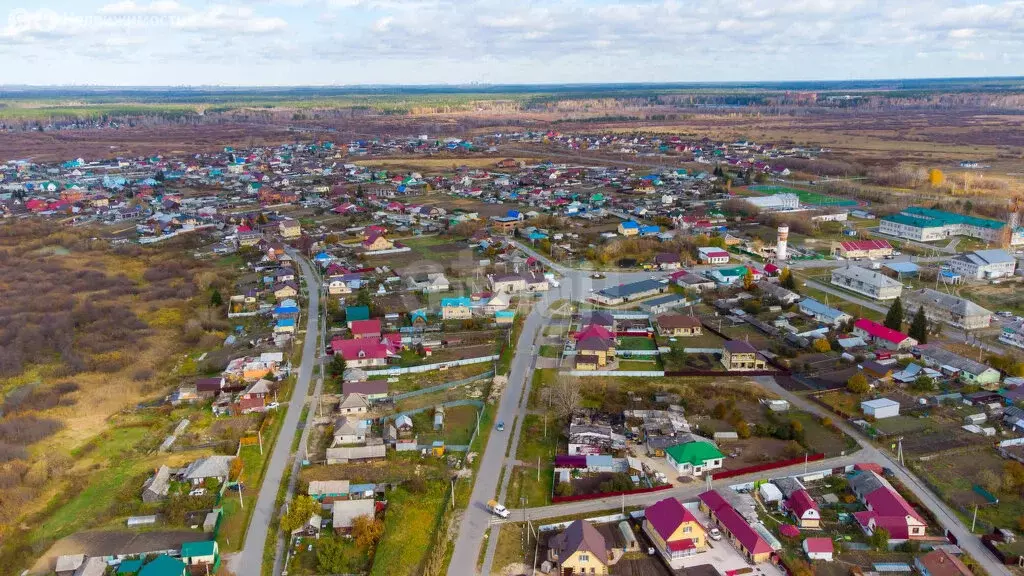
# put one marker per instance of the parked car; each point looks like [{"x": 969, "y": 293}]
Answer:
[{"x": 715, "y": 534}]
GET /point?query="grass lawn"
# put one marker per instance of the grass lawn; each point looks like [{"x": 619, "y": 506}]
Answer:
[
  {"x": 821, "y": 439},
  {"x": 844, "y": 402},
  {"x": 636, "y": 343},
  {"x": 955, "y": 474},
  {"x": 511, "y": 547},
  {"x": 550, "y": 351},
  {"x": 705, "y": 340},
  {"x": 352, "y": 558},
  {"x": 900, "y": 424},
  {"x": 638, "y": 365},
  {"x": 856, "y": 310},
  {"x": 459, "y": 423},
  {"x": 409, "y": 525}
]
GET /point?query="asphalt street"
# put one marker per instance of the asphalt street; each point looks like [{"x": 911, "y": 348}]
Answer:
[{"x": 250, "y": 559}]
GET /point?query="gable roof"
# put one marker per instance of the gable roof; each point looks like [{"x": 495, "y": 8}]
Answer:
[
  {"x": 939, "y": 562},
  {"x": 876, "y": 330},
  {"x": 671, "y": 321},
  {"x": 800, "y": 502},
  {"x": 581, "y": 536},
  {"x": 366, "y": 326},
  {"x": 666, "y": 515},
  {"x": 734, "y": 523},
  {"x": 819, "y": 545}
]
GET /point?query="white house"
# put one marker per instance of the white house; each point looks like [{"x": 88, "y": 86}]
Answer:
[
  {"x": 984, "y": 264},
  {"x": 867, "y": 282},
  {"x": 712, "y": 255},
  {"x": 818, "y": 548}
]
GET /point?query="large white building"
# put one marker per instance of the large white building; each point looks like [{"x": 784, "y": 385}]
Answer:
[
  {"x": 775, "y": 202},
  {"x": 867, "y": 282},
  {"x": 926, "y": 225},
  {"x": 984, "y": 264}
]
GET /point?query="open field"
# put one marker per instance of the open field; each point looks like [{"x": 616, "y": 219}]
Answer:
[
  {"x": 410, "y": 522},
  {"x": 806, "y": 196},
  {"x": 955, "y": 473},
  {"x": 438, "y": 165}
]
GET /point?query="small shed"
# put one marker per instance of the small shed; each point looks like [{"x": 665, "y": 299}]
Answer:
[
  {"x": 769, "y": 493},
  {"x": 819, "y": 548},
  {"x": 437, "y": 448},
  {"x": 439, "y": 417},
  {"x": 880, "y": 408}
]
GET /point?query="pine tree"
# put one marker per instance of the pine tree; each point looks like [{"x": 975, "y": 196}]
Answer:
[
  {"x": 894, "y": 318},
  {"x": 919, "y": 327},
  {"x": 216, "y": 299}
]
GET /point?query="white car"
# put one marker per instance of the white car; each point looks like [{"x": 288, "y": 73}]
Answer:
[
  {"x": 714, "y": 534},
  {"x": 273, "y": 406}
]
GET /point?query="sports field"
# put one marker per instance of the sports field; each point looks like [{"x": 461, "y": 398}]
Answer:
[{"x": 806, "y": 196}]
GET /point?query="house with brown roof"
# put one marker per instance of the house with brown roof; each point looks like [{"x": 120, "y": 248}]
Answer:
[
  {"x": 939, "y": 562},
  {"x": 678, "y": 325},
  {"x": 738, "y": 355},
  {"x": 580, "y": 549}
]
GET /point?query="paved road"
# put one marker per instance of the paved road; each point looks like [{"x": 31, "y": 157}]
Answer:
[
  {"x": 250, "y": 559},
  {"x": 280, "y": 553}
]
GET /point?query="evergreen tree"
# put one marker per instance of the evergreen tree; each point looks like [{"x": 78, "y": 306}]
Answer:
[
  {"x": 216, "y": 299},
  {"x": 894, "y": 318},
  {"x": 919, "y": 327}
]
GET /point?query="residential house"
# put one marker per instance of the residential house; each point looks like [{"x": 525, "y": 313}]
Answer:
[
  {"x": 364, "y": 352},
  {"x": 880, "y": 335},
  {"x": 579, "y": 549},
  {"x": 356, "y": 313},
  {"x": 694, "y": 458},
  {"x": 667, "y": 261},
  {"x": 663, "y": 304},
  {"x": 692, "y": 282},
  {"x": 870, "y": 249},
  {"x": 344, "y": 454},
  {"x": 285, "y": 290},
  {"x": 966, "y": 370},
  {"x": 371, "y": 389},
  {"x": 738, "y": 355},
  {"x": 456, "y": 308},
  {"x": 673, "y": 530},
  {"x": 822, "y": 313},
  {"x": 804, "y": 509},
  {"x": 886, "y": 508},
  {"x": 596, "y": 345},
  {"x": 818, "y": 548},
  {"x": 629, "y": 228},
  {"x": 734, "y": 527},
  {"x": 943, "y": 307},
  {"x": 216, "y": 467},
  {"x": 431, "y": 283},
  {"x": 678, "y": 325},
  {"x": 867, "y": 282},
  {"x": 164, "y": 565},
  {"x": 615, "y": 295},
  {"x": 345, "y": 512},
  {"x": 366, "y": 328},
  {"x": 327, "y": 491},
  {"x": 349, "y": 430},
  {"x": 941, "y": 562},
  {"x": 712, "y": 255},
  {"x": 353, "y": 404},
  {"x": 289, "y": 228},
  {"x": 984, "y": 264},
  {"x": 507, "y": 283},
  {"x": 92, "y": 566},
  {"x": 199, "y": 556},
  {"x": 376, "y": 242},
  {"x": 772, "y": 291}
]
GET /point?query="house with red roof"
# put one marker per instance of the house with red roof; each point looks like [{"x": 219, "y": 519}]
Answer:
[
  {"x": 879, "y": 335},
  {"x": 364, "y": 352},
  {"x": 818, "y": 548},
  {"x": 739, "y": 532},
  {"x": 674, "y": 530},
  {"x": 862, "y": 249},
  {"x": 804, "y": 509},
  {"x": 366, "y": 328},
  {"x": 886, "y": 508}
]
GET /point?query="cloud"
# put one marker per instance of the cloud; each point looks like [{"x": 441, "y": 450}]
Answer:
[
  {"x": 131, "y": 8},
  {"x": 223, "y": 18}
]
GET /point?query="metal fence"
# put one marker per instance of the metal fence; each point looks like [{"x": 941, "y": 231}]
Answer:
[
  {"x": 625, "y": 373},
  {"x": 429, "y": 367}
]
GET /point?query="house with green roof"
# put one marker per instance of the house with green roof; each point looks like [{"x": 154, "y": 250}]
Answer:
[
  {"x": 129, "y": 567},
  {"x": 356, "y": 313},
  {"x": 164, "y": 565},
  {"x": 204, "y": 553},
  {"x": 694, "y": 458},
  {"x": 927, "y": 225}
]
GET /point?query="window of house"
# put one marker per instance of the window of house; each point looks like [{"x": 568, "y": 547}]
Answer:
[{"x": 584, "y": 558}]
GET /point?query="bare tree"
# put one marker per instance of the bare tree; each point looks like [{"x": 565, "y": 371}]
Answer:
[{"x": 566, "y": 395}]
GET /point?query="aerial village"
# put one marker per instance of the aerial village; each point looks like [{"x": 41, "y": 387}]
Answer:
[{"x": 709, "y": 370}]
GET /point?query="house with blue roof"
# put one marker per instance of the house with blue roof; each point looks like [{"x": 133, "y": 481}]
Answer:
[
  {"x": 629, "y": 228},
  {"x": 285, "y": 326},
  {"x": 456, "y": 308},
  {"x": 649, "y": 230},
  {"x": 418, "y": 318},
  {"x": 822, "y": 313},
  {"x": 356, "y": 313},
  {"x": 504, "y": 316}
]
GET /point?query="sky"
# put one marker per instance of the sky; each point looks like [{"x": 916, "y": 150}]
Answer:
[{"x": 351, "y": 42}]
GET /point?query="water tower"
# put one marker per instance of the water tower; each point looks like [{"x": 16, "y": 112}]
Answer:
[{"x": 780, "y": 243}]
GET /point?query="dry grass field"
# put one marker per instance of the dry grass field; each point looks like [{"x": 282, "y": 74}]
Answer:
[{"x": 86, "y": 331}]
